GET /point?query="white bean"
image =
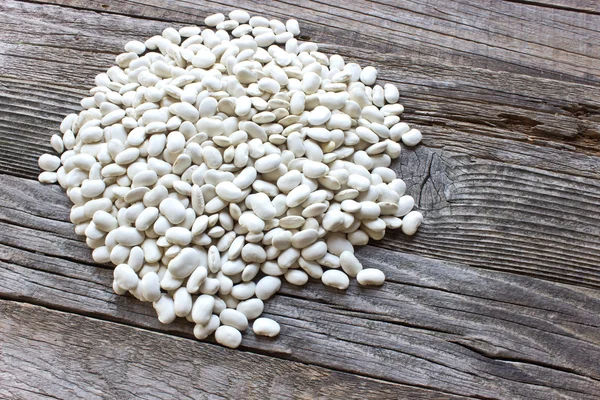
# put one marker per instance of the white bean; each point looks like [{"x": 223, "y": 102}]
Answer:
[
  {"x": 234, "y": 318},
  {"x": 411, "y": 222},
  {"x": 150, "y": 285},
  {"x": 350, "y": 264},
  {"x": 368, "y": 75},
  {"x": 49, "y": 162},
  {"x": 184, "y": 263},
  {"x": 228, "y": 336},
  {"x": 202, "y": 309},
  {"x": 412, "y": 137},
  {"x": 203, "y": 331},
  {"x": 173, "y": 210},
  {"x": 240, "y": 16},
  {"x": 370, "y": 276},
  {"x": 182, "y": 302},
  {"x": 266, "y": 327},
  {"x": 214, "y": 19},
  {"x": 196, "y": 165},
  {"x": 267, "y": 287},
  {"x": 296, "y": 277},
  {"x": 165, "y": 309},
  {"x": 125, "y": 277},
  {"x": 335, "y": 278}
]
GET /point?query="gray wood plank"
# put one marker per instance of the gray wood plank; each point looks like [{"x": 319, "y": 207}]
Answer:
[
  {"x": 502, "y": 116},
  {"x": 465, "y": 327},
  {"x": 434, "y": 324},
  {"x": 97, "y": 359},
  {"x": 492, "y": 34},
  {"x": 31, "y": 112},
  {"x": 481, "y": 213},
  {"x": 455, "y": 123}
]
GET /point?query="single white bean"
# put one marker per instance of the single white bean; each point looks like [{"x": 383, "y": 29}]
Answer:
[
  {"x": 228, "y": 336},
  {"x": 252, "y": 308},
  {"x": 411, "y": 222},
  {"x": 350, "y": 264},
  {"x": 165, "y": 309},
  {"x": 234, "y": 318},
  {"x": 266, "y": 327},
  {"x": 335, "y": 278},
  {"x": 370, "y": 276},
  {"x": 203, "y": 331},
  {"x": 48, "y": 162},
  {"x": 202, "y": 309},
  {"x": 412, "y": 137},
  {"x": 267, "y": 287}
]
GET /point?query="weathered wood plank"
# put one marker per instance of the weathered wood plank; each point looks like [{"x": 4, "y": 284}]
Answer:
[
  {"x": 506, "y": 246},
  {"x": 461, "y": 330},
  {"x": 434, "y": 324},
  {"x": 471, "y": 318},
  {"x": 501, "y": 116},
  {"x": 32, "y": 111},
  {"x": 481, "y": 213},
  {"x": 489, "y": 34},
  {"x": 51, "y": 354}
]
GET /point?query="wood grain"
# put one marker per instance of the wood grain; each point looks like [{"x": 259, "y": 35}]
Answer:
[
  {"x": 583, "y": 6},
  {"x": 514, "y": 128},
  {"x": 484, "y": 214},
  {"x": 61, "y": 355},
  {"x": 507, "y": 94},
  {"x": 452, "y": 328},
  {"x": 529, "y": 121},
  {"x": 491, "y": 341},
  {"x": 512, "y": 134},
  {"x": 496, "y": 35}
]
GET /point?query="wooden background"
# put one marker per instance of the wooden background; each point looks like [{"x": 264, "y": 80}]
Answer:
[{"x": 497, "y": 296}]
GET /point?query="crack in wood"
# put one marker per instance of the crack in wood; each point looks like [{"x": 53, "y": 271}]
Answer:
[{"x": 568, "y": 7}]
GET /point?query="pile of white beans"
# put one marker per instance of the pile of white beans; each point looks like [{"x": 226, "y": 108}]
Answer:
[{"x": 209, "y": 164}]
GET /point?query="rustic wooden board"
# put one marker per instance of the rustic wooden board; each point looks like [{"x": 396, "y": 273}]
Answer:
[
  {"x": 507, "y": 94},
  {"x": 453, "y": 101},
  {"x": 484, "y": 214},
  {"x": 491, "y": 340},
  {"x": 453, "y": 328},
  {"x": 490, "y": 34},
  {"x": 514, "y": 132},
  {"x": 71, "y": 356}
]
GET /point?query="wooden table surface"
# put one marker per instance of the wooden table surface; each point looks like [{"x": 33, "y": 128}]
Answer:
[{"x": 497, "y": 296}]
